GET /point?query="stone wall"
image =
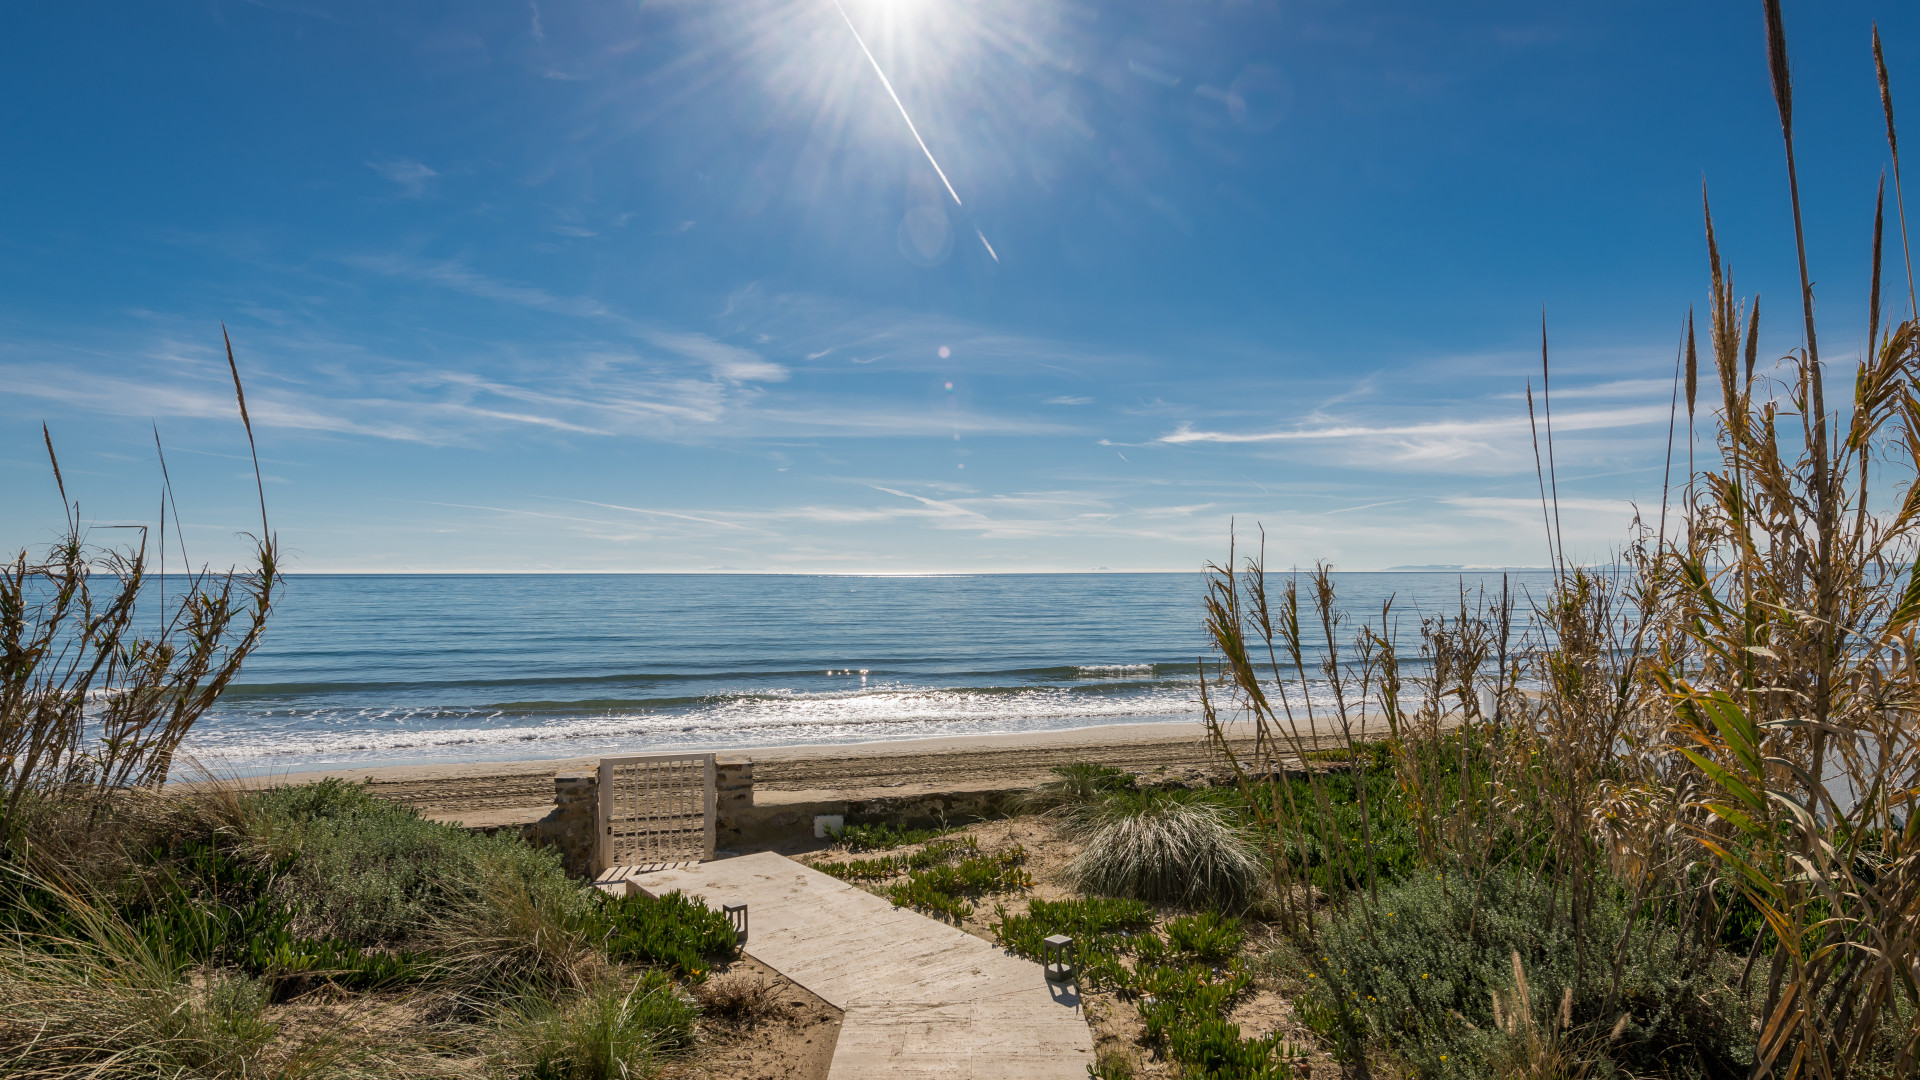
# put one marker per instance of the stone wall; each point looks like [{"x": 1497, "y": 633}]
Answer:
[
  {"x": 733, "y": 796},
  {"x": 739, "y": 825},
  {"x": 572, "y": 824},
  {"x": 782, "y": 821}
]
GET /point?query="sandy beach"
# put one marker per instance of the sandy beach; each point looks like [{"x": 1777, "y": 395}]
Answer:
[{"x": 476, "y": 791}]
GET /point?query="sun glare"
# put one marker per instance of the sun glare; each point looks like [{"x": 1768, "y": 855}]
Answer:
[{"x": 948, "y": 83}]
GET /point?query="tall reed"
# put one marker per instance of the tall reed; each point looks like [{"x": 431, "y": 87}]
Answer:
[
  {"x": 89, "y": 699},
  {"x": 1718, "y": 729}
]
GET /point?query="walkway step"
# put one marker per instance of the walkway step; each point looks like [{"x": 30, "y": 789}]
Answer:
[{"x": 919, "y": 998}]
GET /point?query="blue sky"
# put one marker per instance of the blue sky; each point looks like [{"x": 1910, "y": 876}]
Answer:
[{"x": 672, "y": 286}]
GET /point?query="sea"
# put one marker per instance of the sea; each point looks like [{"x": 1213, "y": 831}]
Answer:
[{"x": 393, "y": 670}]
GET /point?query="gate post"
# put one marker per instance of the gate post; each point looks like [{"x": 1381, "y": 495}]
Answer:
[
  {"x": 603, "y": 820},
  {"x": 711, "y": 796}
]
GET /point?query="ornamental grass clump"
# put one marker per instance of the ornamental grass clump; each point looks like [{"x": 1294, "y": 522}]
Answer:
[
  {"x": 1164, "y": 846},
  {"x": 1076, "y": 785},
  {"x": 516, "y": 920},
  {"x": 615, "y": 1030},
  {"x": 91, "y": 994}
]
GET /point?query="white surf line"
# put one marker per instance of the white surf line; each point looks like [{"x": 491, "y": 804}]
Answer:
[{"x": 898, "y": 104}]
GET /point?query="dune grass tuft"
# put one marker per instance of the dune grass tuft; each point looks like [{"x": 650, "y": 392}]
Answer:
[
  {"x": 1076, "y": 785},
  {"x": 1164, "y": 846},
  {"x": 615, "y": 1030}
]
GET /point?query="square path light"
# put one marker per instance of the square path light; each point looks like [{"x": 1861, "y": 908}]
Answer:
[{"x": 1057, "y": 958}]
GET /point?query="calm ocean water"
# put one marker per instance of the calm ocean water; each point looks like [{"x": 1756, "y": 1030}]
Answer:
[{"x": 419, "y": 669}]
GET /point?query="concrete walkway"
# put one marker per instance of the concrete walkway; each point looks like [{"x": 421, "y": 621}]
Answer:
[{"x": 921, "y": 999}]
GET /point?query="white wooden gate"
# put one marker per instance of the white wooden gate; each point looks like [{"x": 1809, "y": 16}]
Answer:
[{"x": 656, "y": 810}]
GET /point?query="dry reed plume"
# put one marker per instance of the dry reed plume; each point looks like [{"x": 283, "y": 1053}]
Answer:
[{"x": 90, "y": 700}]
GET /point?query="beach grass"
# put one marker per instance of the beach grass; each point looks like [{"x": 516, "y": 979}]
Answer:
[{"x": 203, "y": 933}]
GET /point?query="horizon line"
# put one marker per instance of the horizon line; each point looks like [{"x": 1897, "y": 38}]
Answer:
[{"x": 889, "y": 573}]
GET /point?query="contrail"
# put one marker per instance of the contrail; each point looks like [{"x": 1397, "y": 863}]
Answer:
[
  {"x": 983, "y": 243},
  {"x": 884, "y": 81},
  {"x": 888, "y": 83}
]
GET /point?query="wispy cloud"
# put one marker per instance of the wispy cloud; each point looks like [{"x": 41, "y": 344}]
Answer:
[
  {"x": 1618, "y": 388},
  {"x": 671, "y": 514},
  {"x": 944, "y": 507},
  {"x": 411, "y": 175},
  {"x": 456, "y": 275},
  {"x": 727, "y": 361},
  {"x": 1577, "y": 421}
]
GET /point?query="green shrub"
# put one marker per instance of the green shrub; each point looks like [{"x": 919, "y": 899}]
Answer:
[
  {"x": 1175, "y": 846},
  {"x": 1102, "y": 929},
  {"x": 324, "y": 800},
  {"x": 1208, "y": 937},
  {"x": 362, "y": 869},
  {"x": 942, "y": 852},
  {"x": 1419, "y": 971},
  {"x": 1176, "y": 995},
  {"x": 1213, "y": 1049},
  {"x": 1179, "y": 992},
  {"x": 674, "y": 931},
  {"x": 1184, "y": 1007},
  {"x": 204, "y": 903},
  {"x": 944, "y": 889},
  {"x": 221, "y": 1027},
  {"x": 880, "y": 869},
  {"x": 292, "y": 964},
  {"x": 1309, "y": 844},
  {"x": 938, "y": 853},
  {"x": 614, "y": 1031},
  {"x": 374, "y": 886},
  {"x": 1085, "y": 920}
]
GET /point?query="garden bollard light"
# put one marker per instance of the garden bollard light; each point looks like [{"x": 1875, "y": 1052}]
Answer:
[
  {"x": 1058, "y": 958},
  {"x": 736, "y": 915}
]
